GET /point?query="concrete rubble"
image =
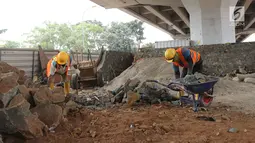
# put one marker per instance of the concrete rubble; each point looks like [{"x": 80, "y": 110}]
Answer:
[
  {"x": 28, "y": 112},
  {"x": 247, "y": 78},
  {"x": 148, "y": 92}
]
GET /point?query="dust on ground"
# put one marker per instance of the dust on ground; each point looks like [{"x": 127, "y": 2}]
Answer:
[{"x": 163, "y": 123}]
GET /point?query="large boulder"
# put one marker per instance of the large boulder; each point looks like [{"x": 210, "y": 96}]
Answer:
[
  {"x": 22, "y": 77},
  {"x": 25, "y": 93},
  {"x": 9, "y": 87},
  {"x": 44, "y": 95},
  {"x": 50, "y": 114},
  {"x": 58, "y": 95},
  {"x": 16, "y": 118},
  {"x": 6, "y": 68}
]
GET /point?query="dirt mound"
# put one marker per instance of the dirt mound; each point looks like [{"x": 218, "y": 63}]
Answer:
[
  {"x": 237, "y": 94},
  {"x": 149, "y": 68}
]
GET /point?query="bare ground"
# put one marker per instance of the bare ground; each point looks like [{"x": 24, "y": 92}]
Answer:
[{"x": 163, "y": 123}]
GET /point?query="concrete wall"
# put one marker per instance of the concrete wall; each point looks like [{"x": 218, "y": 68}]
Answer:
[
  {"x": 219, "y": 59},
  {"x": 112, "y": 64}
]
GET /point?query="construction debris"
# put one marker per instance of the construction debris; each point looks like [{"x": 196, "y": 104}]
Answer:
[
  {"x": 148, "y": 92},
  {"x": 16, "y": 100},
  {"x": 247, "y": 78},
  {"x": 17, "y": 118},
  {"x": 50, "y": 114},
  {"x": 44, "y": 95},
  {"x": 195, "y": 79}
]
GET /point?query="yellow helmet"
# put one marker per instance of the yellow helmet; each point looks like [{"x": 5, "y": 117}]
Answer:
[
  {"x": 62, "y": 58},
  {"x": 169, "y": 54}
]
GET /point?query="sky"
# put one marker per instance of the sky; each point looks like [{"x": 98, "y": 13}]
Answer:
[{"x": 21, "y": 16}]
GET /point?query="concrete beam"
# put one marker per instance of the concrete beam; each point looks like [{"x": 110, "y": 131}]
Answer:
[
  {"x": 140, "y": 17},
  {"x": 161, "y": 22},
  {"x": 237, "y": 37},
  {"x": 250, "y": 23},
  {"x": 251, "y": 31},
  {"x": 164, "y": 18},
  {"x": 246, "y": 5},
  {"x": 182, "y": 15}
]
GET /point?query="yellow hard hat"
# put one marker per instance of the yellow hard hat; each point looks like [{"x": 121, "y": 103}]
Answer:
[
  {"x": 62, "y": 58},
  {"x": 169, "y": 54}
]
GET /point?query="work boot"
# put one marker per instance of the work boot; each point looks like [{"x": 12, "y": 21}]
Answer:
[
  {"x": 67, "y": 88},
  {"x": 51, "y": 85}
]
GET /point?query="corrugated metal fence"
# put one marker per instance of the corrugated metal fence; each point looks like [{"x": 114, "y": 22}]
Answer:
[
  {"x": 28, "y": 59},
  {"x": 172, "y": 43},
  {"x": 24, "y": 59}
]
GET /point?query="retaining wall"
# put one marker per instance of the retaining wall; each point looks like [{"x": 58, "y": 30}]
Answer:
[
  {"x": 219, "y": 59},
  {"x": 112, "y": 64}
]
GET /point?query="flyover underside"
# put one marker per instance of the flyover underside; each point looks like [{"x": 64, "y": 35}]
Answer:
[{"x": 173, "y": 18}]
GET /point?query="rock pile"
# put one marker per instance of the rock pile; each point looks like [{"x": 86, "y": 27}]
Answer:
[
  {"x": 25, "y": 111},
  {"x": 147, "y": 91}
]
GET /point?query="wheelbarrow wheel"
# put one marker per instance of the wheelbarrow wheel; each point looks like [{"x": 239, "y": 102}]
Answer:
[
  {"x": 74, "y": 82},
  {"x": 206, "y": 101}
]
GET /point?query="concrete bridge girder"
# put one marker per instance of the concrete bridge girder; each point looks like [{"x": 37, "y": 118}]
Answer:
[{"x": 172, "y": 16}]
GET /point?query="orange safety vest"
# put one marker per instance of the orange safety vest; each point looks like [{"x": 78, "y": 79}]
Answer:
[
  {"x": 194, "y": 55},
  {"x": 57, "y": 68}
]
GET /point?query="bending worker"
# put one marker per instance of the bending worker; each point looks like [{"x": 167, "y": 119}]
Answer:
[
  {"x": 59, "y": 64},
  {"x": 190, "y": 60}
]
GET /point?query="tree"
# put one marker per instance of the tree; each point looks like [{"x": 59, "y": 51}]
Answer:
[
  {"x": 12, "y": 44},
  {"x": 66, "y": 36},
  {"x": 2, "y": 31},
  {"x": 123, "y": 36},
  {"x": 89, "y": 34},
  {"x": 149, "y": 45}
]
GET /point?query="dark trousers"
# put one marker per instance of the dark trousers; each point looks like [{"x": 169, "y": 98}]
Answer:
[{"x": 197, "y": 68}]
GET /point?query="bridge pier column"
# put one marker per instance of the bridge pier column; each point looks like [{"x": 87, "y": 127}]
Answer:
[{"x": 210, "y": 21}]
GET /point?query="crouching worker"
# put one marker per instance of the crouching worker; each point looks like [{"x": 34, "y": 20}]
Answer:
[
  {"x": 190, "y": 60},
  {"x": 59, "y": 64}
]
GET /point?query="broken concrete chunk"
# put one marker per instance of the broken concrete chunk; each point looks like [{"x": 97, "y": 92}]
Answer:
[
  {"x": 25, "y": 93},
  {"x": 249, "y": 80},
  {"x": 6, "y": 68},
  {"x": 243, "y": 76},
  {"x": 236, "y": 79},
  {"x": 32, "y": 91},
  {"x": 134, "y": 83},
  {"x": 42, "y": 96},
  {"x": 58, "y": 95},
  {"x": 8, "y": 81},
  {"x": 16, "y": 100},
  {"x": 242, "y": 70},
  {"x": 5, "y": 98},
  {"x": 50, "y": 114},
  {"x": 22, "y": 77},
  {"x": 17, "y": 118},
  {"x": 70, "y": 105}
]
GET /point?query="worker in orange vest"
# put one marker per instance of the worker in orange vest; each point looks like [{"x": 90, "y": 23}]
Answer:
[
  {"x": 190, "y": 60},
  {"x": 59, "y": 64}
]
